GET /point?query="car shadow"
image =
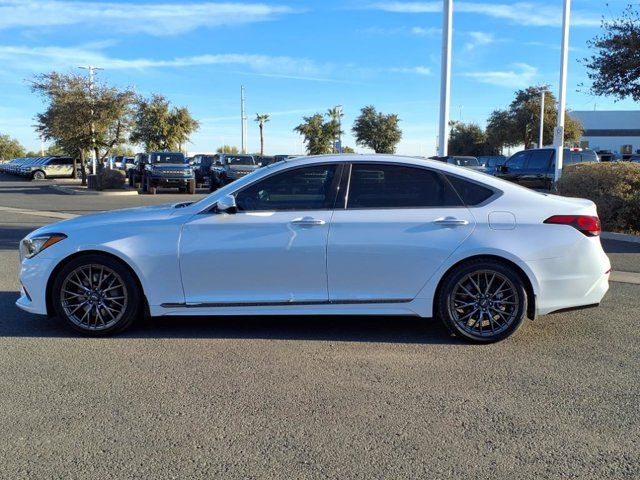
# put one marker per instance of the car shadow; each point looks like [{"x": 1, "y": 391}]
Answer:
[
  {"x": 10, "y": 235},
  {"x": 381, "y": 329}
]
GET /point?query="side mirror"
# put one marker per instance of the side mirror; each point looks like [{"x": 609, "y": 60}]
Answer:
[{"x": 227, "y": 204}]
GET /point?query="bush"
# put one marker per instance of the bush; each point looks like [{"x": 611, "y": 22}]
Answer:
[
  {"x": 112, "y": 179},
  {"x": 613, "y": 186}
]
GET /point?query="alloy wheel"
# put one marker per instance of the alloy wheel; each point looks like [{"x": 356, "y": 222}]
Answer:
[
  {"x": 484, "y": 303},
  {"x": 94, "y": 297}
]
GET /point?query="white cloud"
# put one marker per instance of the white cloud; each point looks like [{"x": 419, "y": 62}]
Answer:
[
  {"x": 61, "y": 58},
  {"x": 419, "y": 70},
  {"x": 155, "y": 19},
  {"x": 521, "y": 75},
  {"x": 479, "y": 39},
  {"x": 417, "y": 31},
  {"x": 520, "y": 13}
]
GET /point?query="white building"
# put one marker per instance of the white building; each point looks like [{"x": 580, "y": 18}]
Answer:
[{"x": 617, "y": 131}]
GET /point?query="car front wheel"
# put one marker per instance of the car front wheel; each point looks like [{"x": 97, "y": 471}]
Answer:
[
  {"x": 483, "y": 301},
  {"x": 96, "y": 295}
]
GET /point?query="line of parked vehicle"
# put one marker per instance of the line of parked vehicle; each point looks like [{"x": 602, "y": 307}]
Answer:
[
  {"x": 154, "y": 170},
  {"x": 533, "y": 168}
]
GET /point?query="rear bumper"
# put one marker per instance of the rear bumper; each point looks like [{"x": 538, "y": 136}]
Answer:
[{"x": 579, "y": 279}]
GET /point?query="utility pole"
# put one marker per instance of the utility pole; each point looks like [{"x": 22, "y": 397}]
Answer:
[
  {"x": 92, "y": 70},
  {"x": 445, "y": 80},
  {"x": 558, "y": 134},
  {"x": 542, "y": 95},
  {"x": 41, "y": 146},
  {"x": 243, "y": 121}
]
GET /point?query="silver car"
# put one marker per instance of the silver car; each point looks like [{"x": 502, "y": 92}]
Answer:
[{"x": 49, "y": 167}]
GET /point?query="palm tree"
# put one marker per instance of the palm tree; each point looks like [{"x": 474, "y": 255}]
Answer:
[
  {"x": 335, "y": 115},
  {"x": 261, "y": 120}
]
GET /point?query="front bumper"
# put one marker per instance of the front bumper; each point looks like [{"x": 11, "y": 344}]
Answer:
[{"x": 34, "y": 274}]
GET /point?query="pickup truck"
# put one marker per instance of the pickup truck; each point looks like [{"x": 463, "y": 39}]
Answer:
[{"x": 535, "y": 168}]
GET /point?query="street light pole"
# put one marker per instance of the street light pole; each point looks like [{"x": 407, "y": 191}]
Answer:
[
  {"x": 445, "y": 80},
  {"x": 92, "y": 70},
  {"x": 558, "y": 134},
  {"x": 542, "y": 95},
  {"x": 243, "y": 121}
]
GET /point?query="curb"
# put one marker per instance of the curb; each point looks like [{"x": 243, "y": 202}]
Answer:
[
  {"x": 72, "y": 191},
  {"x": 620, "y": 237}
]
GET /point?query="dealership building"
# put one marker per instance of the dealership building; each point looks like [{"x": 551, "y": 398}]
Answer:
[{"x": 616, "y": 131}]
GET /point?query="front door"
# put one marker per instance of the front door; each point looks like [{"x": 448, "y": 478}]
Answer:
[
  {"x": 399, "y": 225},
  {"x": 272, "y": 251}
]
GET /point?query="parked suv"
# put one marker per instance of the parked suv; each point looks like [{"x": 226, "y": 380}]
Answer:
[
  {"x": 202, "y": 167},
  {"x": 230, "y": 167},
  {"x": 166, "y": 170},
  {"x": 48, "y": 167},
  {"x": 535, "y": 168}
]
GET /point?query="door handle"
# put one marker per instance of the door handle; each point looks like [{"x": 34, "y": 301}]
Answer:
[
  {"x": 451, "y": 222},
  {"x": 308, "y": 221}
]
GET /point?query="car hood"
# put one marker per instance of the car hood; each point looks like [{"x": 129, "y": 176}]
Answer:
[{"x": 129, "y": 216}]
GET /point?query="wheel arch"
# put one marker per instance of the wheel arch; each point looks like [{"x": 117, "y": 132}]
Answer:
[
  {"x": 528, "y": 283},
  {"x": 82, "y": 253}
]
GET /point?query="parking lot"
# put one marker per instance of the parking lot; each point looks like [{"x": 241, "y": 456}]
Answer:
[{"x": 328, "y": 397}]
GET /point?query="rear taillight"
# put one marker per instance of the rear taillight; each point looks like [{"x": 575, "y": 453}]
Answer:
[{"x": 588, "y": 225}]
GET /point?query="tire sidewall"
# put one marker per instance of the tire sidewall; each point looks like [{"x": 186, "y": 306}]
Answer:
[
  {"x": 453, "y": 277},
  {"x": 134, "y": 295}
]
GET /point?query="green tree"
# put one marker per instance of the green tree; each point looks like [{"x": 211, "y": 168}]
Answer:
[
  {"x": 261, "y": 120},
  {"x": 228, "y": 149},
  {"x": 469, "y": 139},
  {"x": 346, "y": 149},
  {"x": 159, "y": 126},
  {"x": 317, "y": 133},
  {"x": 520, "y": 123},
  {"x": 72, "y": 109},
  {"x": 377, "y": 131},
  {"x": 614, "y": 70},
  {"x": 10, "y": 148}
]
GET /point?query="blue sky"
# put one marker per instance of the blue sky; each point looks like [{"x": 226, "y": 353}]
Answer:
[{"x": 296, "y": 58}]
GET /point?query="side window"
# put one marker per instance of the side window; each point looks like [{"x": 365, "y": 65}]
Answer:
[
  {"x": 306, "y": 188},
  {"x": 539, "y": 160},
  {"x": 471, "y": 193},
  {"x": 517, "y": 161},
  {"x": 397, "y": 186}
]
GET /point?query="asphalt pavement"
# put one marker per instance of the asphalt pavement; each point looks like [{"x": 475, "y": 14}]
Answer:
[{"x": 312, "y": 398}]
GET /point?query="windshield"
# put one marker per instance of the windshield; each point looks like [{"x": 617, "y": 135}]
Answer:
[
  {"x": 239, "y": 160},
  {"x": 167, "y": 158}
]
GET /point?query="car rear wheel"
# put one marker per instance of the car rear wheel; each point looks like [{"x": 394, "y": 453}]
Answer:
[
  {"x": 483, "y": 301},
  {"x": 96, "y": 295},
  {"x": 39, "y": 175}
]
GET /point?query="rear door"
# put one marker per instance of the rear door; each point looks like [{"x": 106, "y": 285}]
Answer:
[
  {"x": 534, "y": 174},
  {"x": 399, "y": 225}
]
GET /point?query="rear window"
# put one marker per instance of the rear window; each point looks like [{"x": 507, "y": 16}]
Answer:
[{"x": 471, "y": 193}]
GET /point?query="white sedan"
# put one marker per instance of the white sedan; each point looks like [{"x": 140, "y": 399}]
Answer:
[{"x": 327, "y": 235}]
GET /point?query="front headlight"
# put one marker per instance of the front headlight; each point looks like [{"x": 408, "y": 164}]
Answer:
[{"x": 30, "y": 247}]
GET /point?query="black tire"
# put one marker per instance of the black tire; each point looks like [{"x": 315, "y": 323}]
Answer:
[
  {"x": 145, "y": 185},
  {"x": 132, "y": 184},
  {"x": 132, "y": 305},
  {"x": 191, "y": 187},
  {"x": 496, "y": 292},
  {"x": 182, "y": 189},
  {"x": 38, "y": 175}
]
